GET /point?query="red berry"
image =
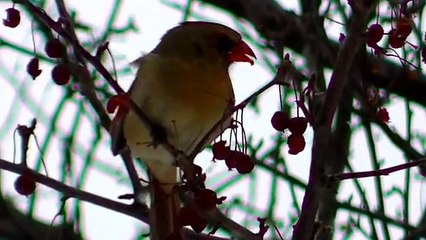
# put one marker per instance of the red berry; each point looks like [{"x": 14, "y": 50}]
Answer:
[
  {"x": 232, "y": 160},
  {"x": 33, "y": 68},
  {"x": 239, "y": 160},
  {"x": 296, "y": 143},
  {"x": 25, "y": 184},
  {"x": 374, "y": 34},
  {"x": 280, "y": 121},
  {"x": 220, "y": 151},
  {"x": 121, "y": 101},
  {"x": 404, "y": 26},
  {"x": 396, "y": 40},
  {"x": 12, "y": 19},
  {"x": 61, "y": 74},
  {"x": 245, "y": 164},
  {"x": 383, "y": 115},
  {"x": 205, "y": 199},
  {"x": 55, "y": 48},
  {"x": 297, "y": 125}
]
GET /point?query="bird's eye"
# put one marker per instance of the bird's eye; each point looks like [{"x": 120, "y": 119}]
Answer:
[{"x": 225, "y": 44}]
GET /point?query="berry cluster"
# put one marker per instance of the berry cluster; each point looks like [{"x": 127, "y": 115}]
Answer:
[
  {"x": 61, "y": 74},
  {"x": 397, "y": 36},
  {"x": 204, "y": 200},
  {"x": 54, "y": 48},
  {"x": 402, "y": 26},
  {"x": 296, "y": 125},
  {"x": 233, "y": 158}
]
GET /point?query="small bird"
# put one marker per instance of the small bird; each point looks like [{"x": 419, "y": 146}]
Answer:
[{"x": 182, "y": 86}]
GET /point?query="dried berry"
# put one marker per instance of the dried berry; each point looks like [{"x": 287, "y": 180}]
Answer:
[
  {"x": 13, "y": 18},
  {"x": 383, "y": 115},
  {"x": 220, "y": 150},
  {"x": 296, "y": 143},
  {"x": 33, "y": 68}
]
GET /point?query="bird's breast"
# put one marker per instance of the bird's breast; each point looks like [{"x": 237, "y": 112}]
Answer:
[{"x": 187, "y": 99}]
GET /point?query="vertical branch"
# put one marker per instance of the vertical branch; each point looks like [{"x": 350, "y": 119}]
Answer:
[
  {"x": 304, "y": 228},
  {"x": 339, "y": 149}
]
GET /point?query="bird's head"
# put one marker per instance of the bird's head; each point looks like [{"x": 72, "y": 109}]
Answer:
[{"x": 197, "y": 40}]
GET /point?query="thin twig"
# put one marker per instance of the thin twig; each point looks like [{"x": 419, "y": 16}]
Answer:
[{"x": 379, "y": 172}]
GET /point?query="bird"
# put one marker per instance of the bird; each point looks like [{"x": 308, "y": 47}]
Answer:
[{"x": 184, "y": 88}]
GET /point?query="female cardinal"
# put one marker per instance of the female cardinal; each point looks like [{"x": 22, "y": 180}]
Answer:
[{"x": 182, "y": 86}]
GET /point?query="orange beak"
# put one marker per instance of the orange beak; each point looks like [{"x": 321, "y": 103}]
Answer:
[{"x": 241, "y": 53}]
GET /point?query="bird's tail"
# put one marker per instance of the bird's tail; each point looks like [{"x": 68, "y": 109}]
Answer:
[{"x": 164, "y": 211}]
